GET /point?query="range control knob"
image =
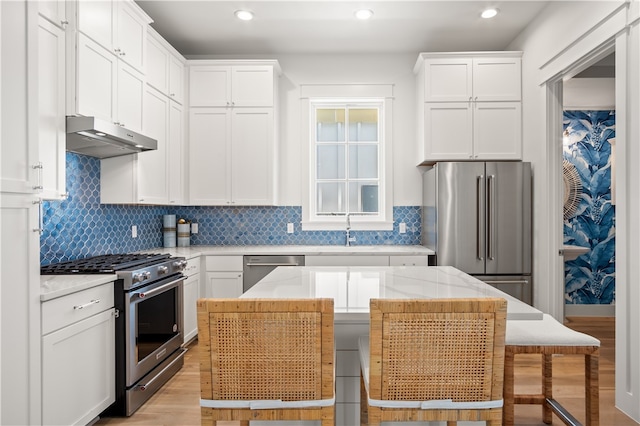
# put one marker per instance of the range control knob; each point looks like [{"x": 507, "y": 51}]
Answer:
[
  {"x": 180, "y": 264},
  {"x": 138, "y": 278},
  {"x": 162, "y": 270}
]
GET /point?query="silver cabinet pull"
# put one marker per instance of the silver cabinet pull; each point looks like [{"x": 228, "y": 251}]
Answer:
[
  {"x": 39, "y": 168},
  {"x": 86, "y": 305}
]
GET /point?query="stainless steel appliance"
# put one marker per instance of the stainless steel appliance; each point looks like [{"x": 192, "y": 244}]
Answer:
[
  {"x": 257, "y": 267},
  {"x": 103, "y": 139},
  {"x": 477, "y": 217},
  {"x": 148, "y": 302}
]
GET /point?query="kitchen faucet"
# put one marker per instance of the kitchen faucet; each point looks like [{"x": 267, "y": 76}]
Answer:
[{"x": 349, "y": 238}]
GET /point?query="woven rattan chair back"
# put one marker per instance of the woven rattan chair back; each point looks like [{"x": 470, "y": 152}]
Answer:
[
  {"x": 276, "y": 351},
  {"x": 436, "y": 350}
]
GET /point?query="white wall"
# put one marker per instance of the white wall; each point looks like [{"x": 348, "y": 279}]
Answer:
[
  {"x": 395, "y": 69},
  {"x": 589, "y": 94},
  {"x": 555, "y": 44}
]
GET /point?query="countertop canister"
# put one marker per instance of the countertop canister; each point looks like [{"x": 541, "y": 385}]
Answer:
[
  {"x": 184, "y": 234},
  {"x": 169, "y": 230}
]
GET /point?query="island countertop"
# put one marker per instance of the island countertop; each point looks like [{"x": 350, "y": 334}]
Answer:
[{"x": 351, "y": 288}]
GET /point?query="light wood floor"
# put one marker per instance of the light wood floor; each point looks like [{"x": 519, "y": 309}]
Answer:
[{"x": 177, "y": 402}]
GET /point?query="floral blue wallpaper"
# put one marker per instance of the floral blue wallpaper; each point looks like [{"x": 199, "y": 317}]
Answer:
[
  {"x": 80, "y": 226},
  {"x": 590, "y": 279}
]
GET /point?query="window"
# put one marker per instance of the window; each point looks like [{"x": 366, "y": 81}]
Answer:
[
  {"x": 346, "y": 159},
  {"x": 349, "y": 164}
]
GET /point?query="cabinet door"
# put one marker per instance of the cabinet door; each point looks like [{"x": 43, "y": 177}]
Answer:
[
  {"x": 408, "y": 260},
  {"x": 226, "y": 285},
  {"x": 175, "y": 154},
  {"x": 78, "y": 370},
  {"x": 20, "y": 350},
  {"x": 54, "y": 11},
  {"x": 448, "y": 131},
  {"x": 209, "y": 86},
  {"x": 157, "y": 71},
  {"x": 131, "y": 35},
  {"x": 176, "y": 79},
  {"x": 129, "y": 97},
  {"x": 252, "y": 162},
  {"x": 190, "y": 315},
  {"x": 448, "y": 80},
  {"x": 19, "y": 147},
  {"x": 96, "y": 79},
  {"x": 357, "y": 260},
  {"x": 252, "y": 86},
  {"x": 153, "y": 180},
  {"x": 497, "y": 131},
  {"x": 51, "y": 108},
  {"x": 497, "y": 79},
  {"x": 209, "y": 156},
  {"x": 96, "y": 19}
]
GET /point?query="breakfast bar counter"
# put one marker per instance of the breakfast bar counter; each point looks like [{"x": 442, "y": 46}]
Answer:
[{"x": 351, "y": 287}]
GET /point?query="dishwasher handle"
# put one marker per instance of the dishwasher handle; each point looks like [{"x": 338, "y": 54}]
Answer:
[{"x": 272, "y": 264}]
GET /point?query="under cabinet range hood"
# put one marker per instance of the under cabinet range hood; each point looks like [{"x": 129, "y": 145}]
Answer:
[{"x": 99, "y": 138}]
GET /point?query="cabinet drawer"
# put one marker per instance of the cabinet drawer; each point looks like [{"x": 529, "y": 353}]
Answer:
[
  {"x": 193, "y": 266},
  {"x": 66, "y": 310},
  {"x": 408, "y": 260},
  {"x": 224, "y": 263},
  {"x": 352, "y": 260}
]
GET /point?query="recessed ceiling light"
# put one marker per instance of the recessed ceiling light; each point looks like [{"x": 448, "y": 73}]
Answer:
[
  {"x": 489, "y": 13},
  {"x": 364, "y": 14},
  {"x": 244, "y": 15}
]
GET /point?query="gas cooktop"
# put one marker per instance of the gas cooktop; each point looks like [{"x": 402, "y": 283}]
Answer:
[{"x": 104, "y": 264}]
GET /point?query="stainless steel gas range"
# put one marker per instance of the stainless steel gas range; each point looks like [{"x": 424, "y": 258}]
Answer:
[{"x": 149, "y": 329}]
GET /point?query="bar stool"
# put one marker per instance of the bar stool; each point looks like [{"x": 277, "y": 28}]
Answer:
[
  {"x": 266, "y": 359},
  {"x": 548, "y": 337}
]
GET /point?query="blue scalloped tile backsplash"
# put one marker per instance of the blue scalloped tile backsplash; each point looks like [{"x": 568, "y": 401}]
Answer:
[{"x": 80, "y": 226}]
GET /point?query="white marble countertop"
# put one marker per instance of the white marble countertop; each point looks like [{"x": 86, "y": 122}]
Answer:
[
  {"x": 380, "y": 250},
  {"x": 351, "y": 288},
  {"x": 52, "y": 286}
]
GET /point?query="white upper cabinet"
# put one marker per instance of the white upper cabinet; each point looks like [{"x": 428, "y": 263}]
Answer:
[
  {"x": 165, "y": 69},
  {"x": 120, "y": 26},
  {"x": 51, "y": 109},
  {"x": 232, "y": 132},
  {"x": 106, "y": 49},
  {"x": 141, "y": 178},
  {"x": 469, "y": 106},
  {"x": 55, "y": 11},
  {"x": 231, "y": 85},
  {"x": 462, "y": 79}
]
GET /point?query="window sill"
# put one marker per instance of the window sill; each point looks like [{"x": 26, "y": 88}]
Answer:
[{"x": 340, "y": 226}]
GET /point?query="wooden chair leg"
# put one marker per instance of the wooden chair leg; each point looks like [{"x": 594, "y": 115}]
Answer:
[
  {"x": 244, "y": 422},
  {"x": 547, "y": 387},
  {"x": 592, "y": 389},
  {"x": 508, "y": 412},
  {"x": 452, "y": 423}
]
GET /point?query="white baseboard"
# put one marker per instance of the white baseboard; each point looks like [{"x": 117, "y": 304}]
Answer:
[{"x": 589, "y": 310}]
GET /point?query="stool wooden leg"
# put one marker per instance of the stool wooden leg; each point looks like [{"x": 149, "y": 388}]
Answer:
[
  {"x": 508, "y": 413},
  {"x": 547, "y": 387},
  {"x": 592, "y": 389}
]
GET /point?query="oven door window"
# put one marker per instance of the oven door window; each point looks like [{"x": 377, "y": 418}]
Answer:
[{"x": 156, "y": 322}]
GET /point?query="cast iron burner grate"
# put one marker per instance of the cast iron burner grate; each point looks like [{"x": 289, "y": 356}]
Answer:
[{"x": 104, "y": 264}]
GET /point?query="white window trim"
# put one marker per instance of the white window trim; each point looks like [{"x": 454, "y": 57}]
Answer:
[{"x": 382, "y": 93}]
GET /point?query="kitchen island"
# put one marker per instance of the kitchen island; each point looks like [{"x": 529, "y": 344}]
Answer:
[{"x": 351, "y": 288}]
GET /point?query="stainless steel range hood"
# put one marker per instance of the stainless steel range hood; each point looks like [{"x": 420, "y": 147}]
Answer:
[{"x": 99, "y": 138}]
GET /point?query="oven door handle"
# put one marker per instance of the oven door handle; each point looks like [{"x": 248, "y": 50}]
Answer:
[{"x": 158, "y": 290}]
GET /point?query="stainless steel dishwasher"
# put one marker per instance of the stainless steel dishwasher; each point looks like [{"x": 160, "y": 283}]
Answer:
[{"x": 257, "y": 267}]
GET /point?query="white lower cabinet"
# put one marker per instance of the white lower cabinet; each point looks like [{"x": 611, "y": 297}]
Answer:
[
  {"x": 78, "y": 356},
  {"x": 190, "y": 297},
  {"x": 409, "y": 260},
  {"x": 342, "y": 260},
  {"x": 224, "y": 276}
]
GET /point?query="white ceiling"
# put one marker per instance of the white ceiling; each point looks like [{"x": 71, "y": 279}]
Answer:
[{"x": 328, "y": 26}]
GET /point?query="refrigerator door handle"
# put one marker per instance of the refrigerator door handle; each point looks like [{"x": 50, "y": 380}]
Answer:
[
  {"x": 479, "y": 215},
  {"x": 491, "y": 220}
]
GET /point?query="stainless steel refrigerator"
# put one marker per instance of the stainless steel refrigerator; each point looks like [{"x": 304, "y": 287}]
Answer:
[{"x": 476, "y": 216}]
